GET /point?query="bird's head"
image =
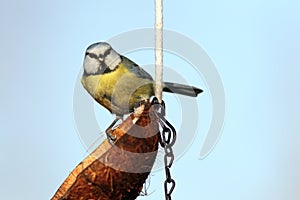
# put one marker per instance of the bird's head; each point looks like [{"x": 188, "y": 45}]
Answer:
[{"x": 100, "y": 58}]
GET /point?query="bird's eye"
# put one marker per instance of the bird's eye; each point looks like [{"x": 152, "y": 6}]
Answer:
[
  {"x": 107, "y": 52},
  {"x": 91, "y": 55}
]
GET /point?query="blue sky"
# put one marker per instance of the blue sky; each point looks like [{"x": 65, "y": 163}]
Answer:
[{"x": 254, "y": 45}]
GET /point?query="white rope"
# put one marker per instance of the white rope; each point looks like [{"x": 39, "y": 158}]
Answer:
[{"x": 158, "y": 48}]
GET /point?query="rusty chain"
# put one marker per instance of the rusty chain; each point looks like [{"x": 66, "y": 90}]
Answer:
[{"x": 167, "y": 140}]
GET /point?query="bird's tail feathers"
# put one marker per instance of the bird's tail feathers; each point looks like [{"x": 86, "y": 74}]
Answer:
[{"x": 181, "y": 89}]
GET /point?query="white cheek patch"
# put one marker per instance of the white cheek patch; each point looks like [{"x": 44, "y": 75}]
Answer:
[
  {"x": 112, "y": 60},
  {"x": 91, "y": 65}
]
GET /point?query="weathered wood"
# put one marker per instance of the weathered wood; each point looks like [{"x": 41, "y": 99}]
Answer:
[{"x": 116, "y": 171}]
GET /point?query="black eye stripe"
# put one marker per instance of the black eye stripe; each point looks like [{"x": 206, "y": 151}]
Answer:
[
  {"x": 91, "y": 55},
  {"x": 107, "y": 52}
]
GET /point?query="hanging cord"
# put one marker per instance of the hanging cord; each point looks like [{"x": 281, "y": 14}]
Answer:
[
  {"x": 168, "y": 133},
  {"x": 158, "y": 48}
]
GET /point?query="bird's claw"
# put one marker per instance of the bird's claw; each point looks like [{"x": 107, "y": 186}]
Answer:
[
  {"x": 109, "y": 131},
  {"x": 110, "y": 137},
  {"x": 140, "y": 103}
]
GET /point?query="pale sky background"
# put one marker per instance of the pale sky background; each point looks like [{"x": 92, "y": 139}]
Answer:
[{"x": 255, "y": 46}]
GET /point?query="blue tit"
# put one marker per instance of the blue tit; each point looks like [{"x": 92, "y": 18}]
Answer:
[{"x": 119, "y": 84}]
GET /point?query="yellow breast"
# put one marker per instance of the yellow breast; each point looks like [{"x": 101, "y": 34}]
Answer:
[{"x": 118, "y": 90}]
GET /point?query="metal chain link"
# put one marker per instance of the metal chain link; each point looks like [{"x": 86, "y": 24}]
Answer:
[{"x": 167, "y": 140}]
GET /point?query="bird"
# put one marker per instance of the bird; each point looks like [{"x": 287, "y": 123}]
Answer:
[{"x": 119, "y": 84}]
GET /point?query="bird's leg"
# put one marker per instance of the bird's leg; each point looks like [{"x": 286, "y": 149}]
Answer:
[{"x": 111, "y": 138}]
